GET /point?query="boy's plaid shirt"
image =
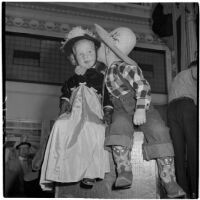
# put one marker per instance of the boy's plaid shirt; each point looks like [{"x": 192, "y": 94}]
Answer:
[{"x": 134, "y": 76}]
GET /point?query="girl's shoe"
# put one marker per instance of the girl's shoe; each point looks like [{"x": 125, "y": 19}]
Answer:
[{"x": 87, "y": 183}]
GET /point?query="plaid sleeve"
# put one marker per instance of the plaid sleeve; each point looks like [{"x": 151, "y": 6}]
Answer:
[{"x": 141, "y": 86}]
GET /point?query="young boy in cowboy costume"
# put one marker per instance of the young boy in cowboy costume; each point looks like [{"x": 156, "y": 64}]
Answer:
[
  {"x": 130, "y": 94},
  {"x": 75, "y": 149}
]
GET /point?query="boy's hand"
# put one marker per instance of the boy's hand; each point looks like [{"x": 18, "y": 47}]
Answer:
[
  {"x": 107, "y": 118},
  {"x": 139, "y": 117}
]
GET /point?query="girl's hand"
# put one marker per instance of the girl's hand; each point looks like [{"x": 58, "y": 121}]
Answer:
[{"x": 65, "y": 106}]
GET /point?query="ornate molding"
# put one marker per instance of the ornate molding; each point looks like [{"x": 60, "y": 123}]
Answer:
[
  {"x": 35, "y": 24},
  {"x": 57, "y": 27},
  {"x": 109, "y": 11}
]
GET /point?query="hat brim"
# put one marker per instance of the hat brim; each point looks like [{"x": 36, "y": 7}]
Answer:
[
  {"x": 68, "y": 46},
  {"x": 23, "y": 143},
  {"x": 104, "y": 36}
]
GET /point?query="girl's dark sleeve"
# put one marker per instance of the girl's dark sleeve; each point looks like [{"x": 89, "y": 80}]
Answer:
[
  {"x": 72, "y": 82},
  {"x": 64, "y": 104},
  {"x": 65, "y": 90}
]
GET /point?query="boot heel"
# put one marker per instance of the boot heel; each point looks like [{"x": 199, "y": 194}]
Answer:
[{"x": 124, "y": 181}]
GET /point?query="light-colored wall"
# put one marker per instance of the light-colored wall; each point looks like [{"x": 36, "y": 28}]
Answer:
[{"x": 28, "y": 101}]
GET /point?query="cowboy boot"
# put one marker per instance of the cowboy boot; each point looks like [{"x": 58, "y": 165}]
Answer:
[
  {"x": 168, "y": 179},
  {"x": 122, "y": 159}
]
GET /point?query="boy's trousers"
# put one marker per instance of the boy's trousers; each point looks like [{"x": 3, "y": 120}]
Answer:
[{"x": 157, "y": 141}]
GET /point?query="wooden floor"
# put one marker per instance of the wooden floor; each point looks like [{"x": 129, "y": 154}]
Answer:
[{"x": 145, "y": 180}]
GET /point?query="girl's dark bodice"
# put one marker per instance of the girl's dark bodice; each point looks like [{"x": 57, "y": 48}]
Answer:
[{"x": 92, "y": 78}]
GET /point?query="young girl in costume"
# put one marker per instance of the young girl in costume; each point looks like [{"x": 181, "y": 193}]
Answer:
[{"x": 75, "y": 149}]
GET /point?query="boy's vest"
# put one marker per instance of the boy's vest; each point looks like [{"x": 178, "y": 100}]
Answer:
[{"x": 127, "y": 101}]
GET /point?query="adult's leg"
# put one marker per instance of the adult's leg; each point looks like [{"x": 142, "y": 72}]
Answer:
[
  {"x": 190, "y": 130},
  {"x": 176, "y": 131}
]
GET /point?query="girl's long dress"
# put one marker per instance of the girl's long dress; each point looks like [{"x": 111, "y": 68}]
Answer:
[{"x": 75, "y": 149}]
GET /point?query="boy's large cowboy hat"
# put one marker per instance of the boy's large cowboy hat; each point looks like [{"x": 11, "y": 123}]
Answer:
[
  {"x": 77, "y": 33},
  {"x": 121, "y": 41}
]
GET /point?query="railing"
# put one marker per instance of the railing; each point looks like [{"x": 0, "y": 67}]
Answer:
[
  {"x": 146, "y": 6},
  {"x": 16, "y": 129}
]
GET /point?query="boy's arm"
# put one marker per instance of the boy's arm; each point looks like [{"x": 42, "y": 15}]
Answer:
[
  {"x": 107, "y": 103},
  {"x": 140, "y": 85},
  {"x": 107, "y": 107},
  {"x": 142, "y": 91}
]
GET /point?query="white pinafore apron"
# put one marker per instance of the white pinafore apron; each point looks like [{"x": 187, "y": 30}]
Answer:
[{"x": 75, "y": 149}]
